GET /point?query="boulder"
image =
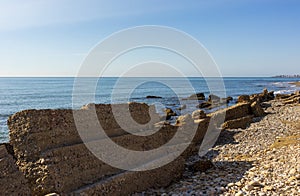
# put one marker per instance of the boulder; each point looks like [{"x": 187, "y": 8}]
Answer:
[
  {"x": 257, "y": 109},
  {"x": 198, "y": 114},
  {"x": 243, "y": 99},
  {"x": 169, "y": 113},
  {"x": 213, "y": 98},
  {"x": 242, "y": 123},
  {"x": 183, "y": 120},
  {"x": 266, "y": 96},
  {"x": 205, "y": 104},
  {"x": 197, "y": 96}
]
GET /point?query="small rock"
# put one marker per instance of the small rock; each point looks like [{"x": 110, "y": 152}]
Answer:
[
  {"x": 249, "y": 187},
  {"x": 256, "y": 184},
  {"x": 292, "y": 171},
  {"x": 240, "y": 193},
  {"x": 268, "y": 188},
  {"x": 198, "y": 114},
  {"x": 153, "y": 97},
  {"x": 243, "y": 98}
]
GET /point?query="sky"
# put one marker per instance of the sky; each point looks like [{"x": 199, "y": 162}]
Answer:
[{"x": 244, "y": 37}]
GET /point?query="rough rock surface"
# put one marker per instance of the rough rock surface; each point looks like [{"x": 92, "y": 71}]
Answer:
[
  {"x": 12, "y": 181},
  {"x": 263, "y": 159}
]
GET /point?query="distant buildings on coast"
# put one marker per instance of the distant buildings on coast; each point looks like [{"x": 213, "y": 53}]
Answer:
[{"x": 287, "y": 76}]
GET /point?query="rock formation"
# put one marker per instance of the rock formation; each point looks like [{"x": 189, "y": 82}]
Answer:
[{"x": 47, "y": 155}]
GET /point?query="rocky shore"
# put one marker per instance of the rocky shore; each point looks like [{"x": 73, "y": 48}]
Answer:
[
  {"x": 257, "y": 152},
  {"x": 263, "y": 159}
]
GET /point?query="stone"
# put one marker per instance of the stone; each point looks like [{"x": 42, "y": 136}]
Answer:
[
  {"x": 197, "y": 96},
  {"x": 249, "y": 187},
  {"x": 292, "y": 171},
  {"x": 182, "y": 120},
  {"x": 213, "y": 98},
  {"x": 198, "y": 114},
  {"x": 169, "y": 113},
  {"x": 204, "y": 105},
  {"x": 243, "y": 99},
  {"x": 268, "y": 188},
  {"x": 257, "y": 109},
  {"x": 242, "y": 123},
  {"x": 255, "y": 184},
  {"x": 240, "y": 193},
  {"x": 201, "y": 165},
  {"x": 153, "y": 97}
]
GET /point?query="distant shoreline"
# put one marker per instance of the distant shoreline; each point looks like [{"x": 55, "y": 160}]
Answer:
[{"x": 287, "y": 76}]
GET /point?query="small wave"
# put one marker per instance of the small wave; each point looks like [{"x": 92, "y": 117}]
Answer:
[{"x": 285, "y": 91}]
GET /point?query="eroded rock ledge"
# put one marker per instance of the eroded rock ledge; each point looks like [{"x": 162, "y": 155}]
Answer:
[{"x": 47, "y": 154}]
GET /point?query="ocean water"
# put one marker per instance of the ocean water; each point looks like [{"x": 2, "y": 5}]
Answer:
[{"x": 18, "y": 94}]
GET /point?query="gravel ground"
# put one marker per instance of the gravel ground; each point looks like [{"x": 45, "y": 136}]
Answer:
[{"x": 263, "y": 159}]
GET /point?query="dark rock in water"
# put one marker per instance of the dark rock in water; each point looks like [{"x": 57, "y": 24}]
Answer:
[
  {"x": 153, "y": 97},
  {"x": 182, "y": 107},
  {"x": 198, "y": 114},
  {"x": 204, "y": 105},
  {"x": 201, "y": 165},
  {"x": 226, "y": 100},
  {"x": 214, "y": 98},
  {"x": 243, "y": 99},
  {"x": 265, "y": 96},
  {"x": 229, "y": 99},
  {"x": 197, "y": 96},
  {"x": 169, "y": 113}
]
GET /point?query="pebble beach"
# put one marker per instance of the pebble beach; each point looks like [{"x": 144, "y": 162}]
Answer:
[{"x": 263, "y": 159}]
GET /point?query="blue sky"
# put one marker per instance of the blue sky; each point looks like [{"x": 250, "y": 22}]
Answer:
[{"x": 245, "y": 37}]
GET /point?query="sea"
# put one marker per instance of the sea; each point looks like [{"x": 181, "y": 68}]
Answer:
[{"x": 17, "y": 94}]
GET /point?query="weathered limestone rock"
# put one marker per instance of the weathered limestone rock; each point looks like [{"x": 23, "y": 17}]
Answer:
[
  {"x": 257, "y": 109},
  {"x": 12, "y": 181},
  {"x": 205, "y": 104},
  {"x": 243, "y": 98},
  {"x": 238, "y": 123},
  {"x": 198, "y": 114},
  {"x": 197, "y": 96},
  {"x": 234, "y": 112},
  {"x": 51, "y": 154},
  {"x": 129, "y": 182},
  {"x": 213, "y": 98}
]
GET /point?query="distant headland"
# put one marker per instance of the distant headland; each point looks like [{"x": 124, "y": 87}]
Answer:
[{"x": 287, "y": 76}]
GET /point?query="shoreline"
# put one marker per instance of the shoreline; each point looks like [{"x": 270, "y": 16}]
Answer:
[
  {"x": 255, "y": 137},
  {"x": 262, "y": 159}
]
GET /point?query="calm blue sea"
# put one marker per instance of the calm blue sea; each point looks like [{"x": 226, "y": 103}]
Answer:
[{"x": 18, "y": 94}]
